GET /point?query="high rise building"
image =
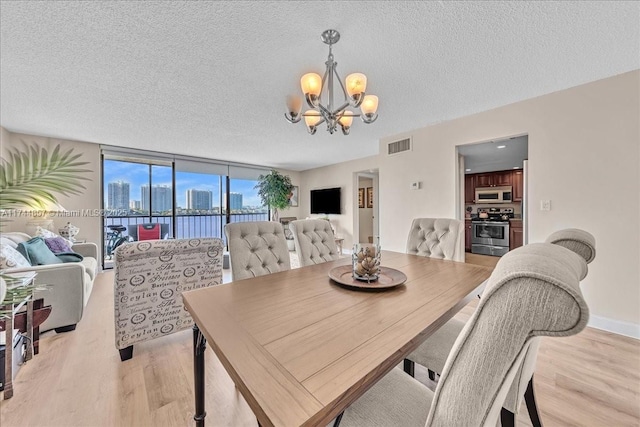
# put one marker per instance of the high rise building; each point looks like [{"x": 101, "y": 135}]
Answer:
[
  {"x": 235, "y": 201},
  {"x": 118, "y": 195},
  {"x": 135, "y": 205},
  {"x": 199, "y": 199},
  {"x": 161, "y": 198}
]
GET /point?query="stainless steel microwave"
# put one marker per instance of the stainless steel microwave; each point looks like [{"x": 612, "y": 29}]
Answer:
[{"x": 494, "y": 195}]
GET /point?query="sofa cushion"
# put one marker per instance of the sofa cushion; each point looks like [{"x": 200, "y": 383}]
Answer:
[
  {"x": 8, "y": 242},
  {"x": 37, "y": 252},
  {"x": 11, "y": 258},
  {"x": 57, "y": 245},
  {"x": 90, "y": 266}
]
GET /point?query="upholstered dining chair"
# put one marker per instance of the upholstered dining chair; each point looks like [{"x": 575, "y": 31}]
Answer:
[
  {"x": 150, "y": 277},
  {"x": 256, "y": 248},
  {"x": 314, "y": 241},
  {"x": 534, "y": 291},
  {"x": 434, "y": 351},
  {"x": 437, "y": 238}
]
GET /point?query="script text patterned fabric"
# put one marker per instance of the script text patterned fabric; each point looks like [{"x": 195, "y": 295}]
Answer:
[{"x": 150, "y": 277}]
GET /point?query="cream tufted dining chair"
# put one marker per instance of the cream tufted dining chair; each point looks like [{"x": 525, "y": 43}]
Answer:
[
  {"x": 256, "y": 248},
  {"x": 434, "y": 351},
  {"x": 314, "y": 241},
  {"x": 437, "y": 238},
  {"x": 534, "y": 291}
]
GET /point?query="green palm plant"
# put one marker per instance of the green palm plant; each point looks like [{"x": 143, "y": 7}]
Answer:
[{"x": 32, "y": 177}]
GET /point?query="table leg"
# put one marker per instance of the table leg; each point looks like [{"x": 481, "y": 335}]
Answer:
[
  {"x": 29, "y": 354},
  {"x": 199, "y": 346},
  {"x": 8, "y": 355}
]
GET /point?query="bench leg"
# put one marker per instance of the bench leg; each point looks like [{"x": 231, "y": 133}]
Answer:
[{"x": 126, "y": 353}]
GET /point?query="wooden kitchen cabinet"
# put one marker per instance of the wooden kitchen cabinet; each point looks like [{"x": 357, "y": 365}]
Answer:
[
  {"x": 469, "y": 189},
  {"x": 493, "y": 179},
  {"x": 467, "y": 235},
  {"x": 517, "y": 180},
  {"x": 516, "y": 235}
]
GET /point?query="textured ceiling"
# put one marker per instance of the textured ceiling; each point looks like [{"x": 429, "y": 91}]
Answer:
[
  {"x": 487, "y": 157},
  {"x": 210, "y": 78}
]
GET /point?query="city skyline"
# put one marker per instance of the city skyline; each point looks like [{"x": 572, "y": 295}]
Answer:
[{"x": 137, "y": 175}]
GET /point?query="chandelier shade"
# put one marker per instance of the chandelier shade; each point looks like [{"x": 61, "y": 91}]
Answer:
[{"x": 320, "y": 94}]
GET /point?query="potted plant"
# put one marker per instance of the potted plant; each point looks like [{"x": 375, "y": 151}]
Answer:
[{"x": 274, "y": 190}]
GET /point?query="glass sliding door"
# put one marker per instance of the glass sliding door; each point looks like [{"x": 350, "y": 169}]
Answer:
[
  {"x": 243, "y": 200},
  {"x": 160, "y": 198}
]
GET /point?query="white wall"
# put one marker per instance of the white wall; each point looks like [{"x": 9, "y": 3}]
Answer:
[
  {"x": 583, "y": 156},
  {"x": 339, "y": 175}
]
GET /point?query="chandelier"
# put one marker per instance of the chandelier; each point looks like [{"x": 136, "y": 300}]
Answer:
[{"x": 317, "y": 89}]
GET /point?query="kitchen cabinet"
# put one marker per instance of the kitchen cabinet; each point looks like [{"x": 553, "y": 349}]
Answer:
[
  {"x": 469, "y": 189},
  {"x": 517, "y": 180},
  {"x": 516, "y": 235},
  {"x": 467, "y": 235},
  {"x": 493, "y": 179}
]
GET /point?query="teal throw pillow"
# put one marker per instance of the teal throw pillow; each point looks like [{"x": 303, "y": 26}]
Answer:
[
  {"x": 37, "y": 252},
  {"x": 69, "y": 257}
]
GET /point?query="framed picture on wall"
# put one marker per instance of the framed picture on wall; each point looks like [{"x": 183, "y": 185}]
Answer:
[
  {"x": 361, "y": 198},
  {"x": 293, "y": 200},
  {"x": 369, "y": 197}
]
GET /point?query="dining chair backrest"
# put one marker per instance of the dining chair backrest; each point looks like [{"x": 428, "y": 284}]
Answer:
[
  {"x": 256, "y": 248},
  {"x": 533, "y": 291},
  {"x": 437, "y": 238},
  {"x": 149, "y": 279},
  {"x": 314, "y": 241},
  {"x": 583, "y": 244}
]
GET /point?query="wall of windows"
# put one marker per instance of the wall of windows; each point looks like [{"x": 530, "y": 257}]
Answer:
[{"x": 189, "y": 198}]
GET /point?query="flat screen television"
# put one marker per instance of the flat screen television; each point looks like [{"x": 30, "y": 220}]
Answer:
[{"x": 325, "y": 201}]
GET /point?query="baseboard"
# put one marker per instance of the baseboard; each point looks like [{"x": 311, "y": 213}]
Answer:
[{"x": 616, "y": 326}]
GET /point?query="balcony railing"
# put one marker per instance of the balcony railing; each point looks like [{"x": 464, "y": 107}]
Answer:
[{"x": 187, "y": 226}]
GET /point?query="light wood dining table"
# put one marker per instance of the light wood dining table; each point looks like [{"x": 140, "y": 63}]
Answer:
[{"x": 301, "y": 348}]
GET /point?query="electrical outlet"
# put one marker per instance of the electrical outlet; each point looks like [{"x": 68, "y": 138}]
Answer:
[
  {"x": 545, "y": 205},
  {"x": 415, "y": 185}
]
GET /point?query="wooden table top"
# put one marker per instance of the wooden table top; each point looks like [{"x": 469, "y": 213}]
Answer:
[{"x": 301, "y": 348}]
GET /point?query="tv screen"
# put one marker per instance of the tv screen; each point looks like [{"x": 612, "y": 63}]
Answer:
[{"x": 325, "y": 201}]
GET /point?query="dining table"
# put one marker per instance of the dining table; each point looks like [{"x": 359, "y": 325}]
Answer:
[{"x": 301, "y": 347}]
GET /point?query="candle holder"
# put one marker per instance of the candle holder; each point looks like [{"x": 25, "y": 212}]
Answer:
[{"x": 366, "y": 262}]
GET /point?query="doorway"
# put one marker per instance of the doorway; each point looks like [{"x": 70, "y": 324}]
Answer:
[
  {"x": 366, "y": 228},
  {"x": 493, "y": 193}
]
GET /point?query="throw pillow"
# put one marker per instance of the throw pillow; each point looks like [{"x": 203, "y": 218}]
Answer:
[
  {"x": 70, "y": 257},
  {"x": 11, "y": 258},
  {"x": 46, "y": 234},
  {"x": 37, "y": 252},
  {"x": 57, "y": 244}
]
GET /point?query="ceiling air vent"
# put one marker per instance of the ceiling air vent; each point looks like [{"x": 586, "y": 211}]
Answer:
[{"x": 399, "y": 146}]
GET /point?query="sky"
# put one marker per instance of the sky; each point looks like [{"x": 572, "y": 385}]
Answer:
[{"x": 137, "y": 174}]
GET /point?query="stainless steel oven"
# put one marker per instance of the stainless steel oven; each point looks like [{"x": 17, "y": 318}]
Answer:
[{"x": 490, "y": 237}]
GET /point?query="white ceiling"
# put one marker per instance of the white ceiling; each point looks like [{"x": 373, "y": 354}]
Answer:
[
  {"x": 496, "y": 155},
  {"x": 210, "y": 78}
]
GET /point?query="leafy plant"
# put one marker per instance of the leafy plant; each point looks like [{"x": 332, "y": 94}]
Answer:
[
  {"x": 31, "y": 177},
  {"x": 274, "y": 190}
]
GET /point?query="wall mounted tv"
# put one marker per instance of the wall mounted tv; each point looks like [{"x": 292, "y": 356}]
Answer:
[{"x": 325, "y": 201}]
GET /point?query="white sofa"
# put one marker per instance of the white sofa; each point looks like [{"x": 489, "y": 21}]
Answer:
[{"x": 70, "y": 284}]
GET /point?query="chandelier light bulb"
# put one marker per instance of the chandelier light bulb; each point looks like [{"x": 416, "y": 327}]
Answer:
[
  {"x": 369, "y": 105},
  {"x": 294, "y": 105},
  {"x": 356, "y": 84},
  {"x": 311, "y": 118},
  {"x": 346, "y": 121},
  {"x": 311, "y": 84}
]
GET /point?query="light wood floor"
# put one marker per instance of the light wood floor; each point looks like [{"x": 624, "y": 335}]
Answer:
[{"x": 592, "y": 379}]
